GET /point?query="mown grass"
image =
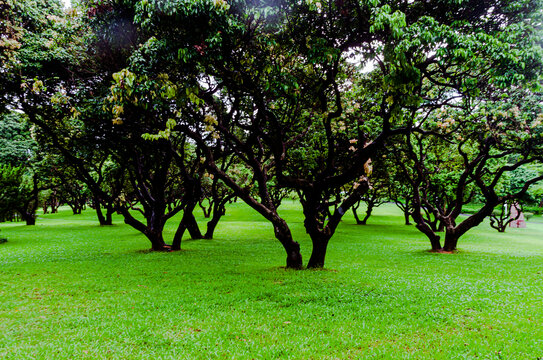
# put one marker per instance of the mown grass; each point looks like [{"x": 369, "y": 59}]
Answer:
[{"x": 70, "y": 289}]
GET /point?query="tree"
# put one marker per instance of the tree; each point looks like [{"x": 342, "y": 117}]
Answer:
[
  {"x": 291, "y": 99},
  {"x": 24, "y": 174},
  {"x": 489, "y": 142},
  {"x": 271, "y": 86}
]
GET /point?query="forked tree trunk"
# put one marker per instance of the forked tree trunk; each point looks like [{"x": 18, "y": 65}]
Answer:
[
  {"x": 211, "y": 225},
  {"x": 355, "y": 214},
  {"x": 54, "y": 206},
  {"x": 104, "y": 220},
  {"x": 188, "y": 222},
  {"x": 28, "y": 212},
  {"x": 152, "y": 230}
]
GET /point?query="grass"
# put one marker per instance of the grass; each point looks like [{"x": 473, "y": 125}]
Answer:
[{"x": 70, "y": 289}]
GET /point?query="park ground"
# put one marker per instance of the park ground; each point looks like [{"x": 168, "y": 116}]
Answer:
[{"x": 70, "y": 289}]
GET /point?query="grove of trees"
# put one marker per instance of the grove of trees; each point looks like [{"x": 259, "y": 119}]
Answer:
[{"x": 166, "y": 107}]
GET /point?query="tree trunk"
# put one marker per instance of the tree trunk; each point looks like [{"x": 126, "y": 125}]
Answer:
[
  {"x": 176, "y": 243},
  {"x": 157, "y": 241},
  {"x": 441, "y": 227},
  {"x": 107, "y": 220},
  {"x": 29, "y": 219},
  {"x": 212, "y": 224},
  {"x": 451, "y": 240},
  {"x": 99, "y": 214},
  {"x": 109, "y": 215},
  {"x": 355, "y": 213},
  {"x": 432, "y": 236},
  {"x": 406, "y": 216},
  {"x": 152, "y": 230},
  {"x": 368, "y": 214},
  {"x": 218, "y": 211},
  {"x": 192, "y": 226},
  {"x": 292, "y": 248},
  {"x": 318, "y": 254}
]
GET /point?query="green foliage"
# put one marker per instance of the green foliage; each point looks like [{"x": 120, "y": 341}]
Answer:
[
  {"x": 12, "y": 190},
  {"x": 16, "y": 143}
]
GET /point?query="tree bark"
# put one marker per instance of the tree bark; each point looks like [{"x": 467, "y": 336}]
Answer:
[
  {"x": 451, "y": 240},
  {"x": 99, "y": 214},
  {"x": 318, "y": 253},
  {"x": 212, "y": 224},
  {"x": 192, "y": 226},
  {"x": 356, "y": 218},
  {"x": 292, "y": 248},
  {"x": 368, "y": 214},
  {"x": 109, "y": 215},
  {"x": 432, "y": 236},
  {"x": 30, "y": 219},
  {"x": 178, "y": 237},
  {"x": 157, "y": 241},
  {"x": 406, "y": 216}
]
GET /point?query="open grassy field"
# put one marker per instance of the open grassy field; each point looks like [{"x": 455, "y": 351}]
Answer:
[{"x": 70, "y": 289}]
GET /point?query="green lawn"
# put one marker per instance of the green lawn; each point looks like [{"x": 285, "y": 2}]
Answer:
[{"x": 70, "y": 289}]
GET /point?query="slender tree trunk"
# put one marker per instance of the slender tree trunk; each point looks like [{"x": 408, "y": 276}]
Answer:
[
  {"x": 406, "y": 216},
  {"x": 55, "y": 204},
  {"x": 356, "y": 218},
  {"x": 212, "y": 224},
  {"x": 368, "y": 214},
  {"x": 99, "y": 214},
  {"x": 188, "y": 222},
  {"x": 176, "y": 243},
  {"x": 28, "y": 211},
  {"x": 192, "y": 226}
]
